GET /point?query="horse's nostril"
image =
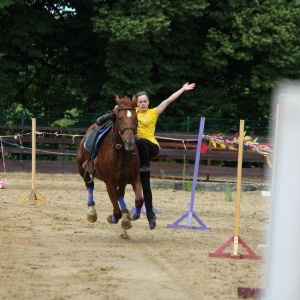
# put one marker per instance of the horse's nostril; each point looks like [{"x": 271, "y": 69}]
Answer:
[{"x": 129, "y": 144}]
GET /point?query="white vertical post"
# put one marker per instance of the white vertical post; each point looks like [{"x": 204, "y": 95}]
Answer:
[{"x": 283, "y": 270}]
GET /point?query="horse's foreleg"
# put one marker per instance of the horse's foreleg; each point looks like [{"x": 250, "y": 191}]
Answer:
[
  {"x": 91, "y": 214},
  {"x": 119, "y": 207},
  {"x": 135, "y": 214},
  {"x": 117, "y": 214},
  {"x": 125, "y": 221},
  {"x": 82, "y": 156},
  {"x": 114, "y": 219},
  {"x": 126, "y": 224}
]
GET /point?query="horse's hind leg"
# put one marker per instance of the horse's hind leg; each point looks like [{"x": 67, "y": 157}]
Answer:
[
  {"x": 81, "y": 157},
  {"x": 91, "y": 214}
]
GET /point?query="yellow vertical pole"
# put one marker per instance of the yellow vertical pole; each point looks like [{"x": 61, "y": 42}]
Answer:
[
  {"x": 238, "y": 189},
  {"x": 33, "y": 154},
  {"x": 33, "y": 194}
]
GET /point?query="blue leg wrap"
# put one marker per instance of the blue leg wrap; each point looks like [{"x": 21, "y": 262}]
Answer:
[
  {"x": 137, "y": 213},
  {"x": 122, "y": 203},
  {"x": 90, "y": 201},
  {"x": 114, "y": 220}
]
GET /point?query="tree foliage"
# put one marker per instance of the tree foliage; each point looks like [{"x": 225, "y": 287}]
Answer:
[
  {"x": 64, "y": 55},
  {"x": 253, "y": 45}
]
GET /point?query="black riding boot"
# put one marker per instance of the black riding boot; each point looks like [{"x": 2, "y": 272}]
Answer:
[
  {"x": 101, "y": 120},
  {"x": 145, "y": 177},
  {"x": 152, "y": 220}
]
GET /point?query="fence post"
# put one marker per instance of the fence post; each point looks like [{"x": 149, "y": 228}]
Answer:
[{"x": 22, "y": 124}]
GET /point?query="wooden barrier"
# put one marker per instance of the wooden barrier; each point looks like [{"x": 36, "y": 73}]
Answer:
[
  {"x": 56, "y": 148},
  {"x": 177, "y": 156}
]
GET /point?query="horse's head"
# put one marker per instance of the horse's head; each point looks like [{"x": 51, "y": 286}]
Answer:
[{"x": 126, "y": 120}]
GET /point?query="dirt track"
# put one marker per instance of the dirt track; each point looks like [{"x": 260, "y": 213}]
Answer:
[{"x": 50, "y": 251}]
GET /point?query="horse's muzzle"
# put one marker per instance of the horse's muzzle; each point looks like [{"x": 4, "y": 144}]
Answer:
[{"x": 129, "y": 144}]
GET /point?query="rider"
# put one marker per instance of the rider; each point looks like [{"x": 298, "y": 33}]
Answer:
[{"x": 147, "y": 143}]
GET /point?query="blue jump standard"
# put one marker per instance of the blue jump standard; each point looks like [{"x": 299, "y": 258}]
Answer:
[{"x": 191, "y": 215}]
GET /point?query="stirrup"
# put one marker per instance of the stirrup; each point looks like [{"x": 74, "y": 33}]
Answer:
[{"x": 86, "y": 170}]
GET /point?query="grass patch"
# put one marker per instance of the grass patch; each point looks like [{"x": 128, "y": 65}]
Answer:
[{"x": 228, "y": 193}]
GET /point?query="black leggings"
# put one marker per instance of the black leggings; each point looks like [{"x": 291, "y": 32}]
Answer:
[{"x": 147, "y": 151}]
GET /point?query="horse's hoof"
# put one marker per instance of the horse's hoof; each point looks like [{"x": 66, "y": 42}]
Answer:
[
  {"x": 91, "y": 214},
  {"x": 126, "y": 225},
  {"x": 130, "y": 216},
  {"x": 112, "y": 220},
  {"x": 91, "y": 219}
]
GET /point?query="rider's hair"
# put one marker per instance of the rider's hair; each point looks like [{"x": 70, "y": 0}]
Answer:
[{"x": 143, "y": 93}]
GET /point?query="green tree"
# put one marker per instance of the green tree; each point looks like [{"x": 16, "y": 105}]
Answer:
[
  {"x": 152, "y": 46},
  {"x": 252, "y": 46},
  {"x": 61, "y": 55},
  {"x": 50, "y": 57}
]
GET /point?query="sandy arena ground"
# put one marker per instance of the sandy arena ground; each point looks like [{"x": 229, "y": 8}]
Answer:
[{"x": 50, "y": 251}]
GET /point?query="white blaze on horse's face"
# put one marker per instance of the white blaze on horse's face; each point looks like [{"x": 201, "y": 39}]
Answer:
[{"x": 129, "y": 114}]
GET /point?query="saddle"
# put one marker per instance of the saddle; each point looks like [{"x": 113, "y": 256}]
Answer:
[{"x": 93, "y": 141}]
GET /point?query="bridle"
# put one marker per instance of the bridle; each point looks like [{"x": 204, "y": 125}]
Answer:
[
  {"x": 123, "y": 155},
  {"x": 122, "y": 130}
]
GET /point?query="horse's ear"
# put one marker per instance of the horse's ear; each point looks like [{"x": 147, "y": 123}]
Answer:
[
  {"x": 117, "y": 99},
  {"x": 133, "y": 101}
]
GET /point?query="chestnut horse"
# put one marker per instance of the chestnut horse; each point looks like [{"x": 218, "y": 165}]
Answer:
[{"x": 116, "y": 164}]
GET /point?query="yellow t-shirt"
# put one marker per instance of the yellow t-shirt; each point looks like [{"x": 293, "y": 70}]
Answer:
[{"x": 146, "y": 124}]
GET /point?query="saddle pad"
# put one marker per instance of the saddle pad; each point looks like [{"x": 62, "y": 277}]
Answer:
[{"x": 94, "y": 137}]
